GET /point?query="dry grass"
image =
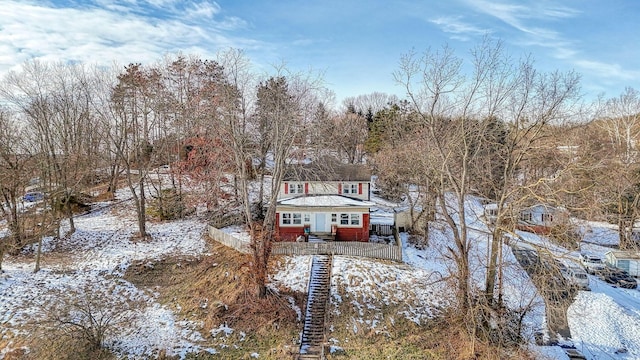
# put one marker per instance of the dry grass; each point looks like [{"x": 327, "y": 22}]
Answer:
[
  {"x": 218, "y": 289},
  {"x": 395, "y": 337}
]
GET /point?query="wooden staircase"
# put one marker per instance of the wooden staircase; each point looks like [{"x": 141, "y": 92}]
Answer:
[{"x": 312, "y": 342}]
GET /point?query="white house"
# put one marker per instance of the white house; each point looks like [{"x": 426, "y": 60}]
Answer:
[{"x": 541, "y": 218}]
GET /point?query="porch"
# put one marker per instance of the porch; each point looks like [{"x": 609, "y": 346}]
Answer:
[{"x": 345, "y": 248}]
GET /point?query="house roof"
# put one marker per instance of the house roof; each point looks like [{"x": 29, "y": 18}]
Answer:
[
  {"x": 491, "y": 206},
  {"x": 546, "y": 208},
  {"x": 327, "y": 169},
  {"x": 630, "y": 255},
  {"x": 324, "y": 201}
]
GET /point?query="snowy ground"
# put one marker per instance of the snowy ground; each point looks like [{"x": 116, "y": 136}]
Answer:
[
  {"x": 101, "y": 251},
  {"x": 603, "y": 321}
]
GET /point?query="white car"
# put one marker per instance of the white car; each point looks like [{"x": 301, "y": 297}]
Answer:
[
  {"x": 592, "y": 262},
  {"x": 576, "y": 276}
]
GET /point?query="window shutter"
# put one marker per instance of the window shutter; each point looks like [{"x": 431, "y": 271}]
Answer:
[
  {"x": 359, "y": 188},
  {"x": 286, "y": 188},
  {"x": 306, "y": 188},
  {"x": 339, "y": 188}
]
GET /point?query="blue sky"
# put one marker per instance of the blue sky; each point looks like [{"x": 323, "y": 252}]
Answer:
[{"x": 357, "y": 44}]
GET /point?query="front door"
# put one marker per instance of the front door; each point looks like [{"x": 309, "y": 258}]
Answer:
[{"x": 320, "y": 223}]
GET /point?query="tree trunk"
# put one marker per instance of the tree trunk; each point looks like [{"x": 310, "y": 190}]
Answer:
[
  {"x": 72, "y": 224},
  {"x": 142, "y": 221},
  {"x": 38, "y": 254},
  {"x": 496, "y": 244}
]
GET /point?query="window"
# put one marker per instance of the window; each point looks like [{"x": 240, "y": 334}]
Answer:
[
  {"x": 297, "y": 218},
  {"x": 291, "y": 219},
  {"x": 348, "y": 219},
  {"x": 349, "y": 188},
  {"x": 526, "y": 216},
  {"x": 624, "y": 265},
  {"x": 334, "y": 218},
  {"x": 307, "y": 218},
  {"x": 296, "y": 188},
  {"x": 547, "y": 217},
  {"x": 286, "y": 219}
]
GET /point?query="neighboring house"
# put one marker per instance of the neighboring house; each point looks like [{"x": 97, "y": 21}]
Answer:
[
  {"x": 541, "y": 218},
  {"x": 326, "y": 199},
  {"x": 491, "y": 213},
  {"x": 404, "y": 218},
  {"x": 628, "y": 261}
]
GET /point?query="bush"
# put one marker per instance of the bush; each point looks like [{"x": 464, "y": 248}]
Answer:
[
  {"x": 80, "y": 320},
  {"x": 167, "y": 205},
  {"x": 79, "y": 203}
]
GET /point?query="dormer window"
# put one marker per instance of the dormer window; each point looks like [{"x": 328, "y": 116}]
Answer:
[
  {"x": 296, "y": 188},
  {"x": 348, "y": 188}
]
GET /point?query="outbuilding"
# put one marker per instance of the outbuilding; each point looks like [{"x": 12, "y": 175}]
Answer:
[{"x": 628, "y": 261}]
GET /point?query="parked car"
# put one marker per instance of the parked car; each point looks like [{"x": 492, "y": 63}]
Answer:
[
  {"x": 592, "y": 262},
  {"x": 33, "y": 196},
  {"x": 576, "y": 276},
  {"x": 618, "y": 277}
]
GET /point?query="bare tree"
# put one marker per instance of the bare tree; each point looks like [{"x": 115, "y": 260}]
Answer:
[
  {"x": 373, "y": 102},
  {"x": 451, "y": 107},
  {"x": 134, "y": 119},
  {"x": 430, "y": 83},
  {"x": 15, "y": 162},
  {"x": 276, "y": 104},
  {"x": 287, "y": 101},
  {"x": 345, "y": 134},
  {"x": 532, "y": 102},
  {"x": 414, "y": 184},
  {"x": 620, "y": 120}
]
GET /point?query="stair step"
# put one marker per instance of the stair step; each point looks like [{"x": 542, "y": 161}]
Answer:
[{"x": 318, "y": 294}]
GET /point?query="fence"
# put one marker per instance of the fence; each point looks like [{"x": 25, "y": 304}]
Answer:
[
  {"x": 381, "y": 229},
  {"x": 348, "y": 248},
  {"x": 242, "y": 246}
]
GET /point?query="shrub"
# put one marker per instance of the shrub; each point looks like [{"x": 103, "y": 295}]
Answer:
[
  {"x": 167, "y": 205},
  {"x": 83, "y": 318}
]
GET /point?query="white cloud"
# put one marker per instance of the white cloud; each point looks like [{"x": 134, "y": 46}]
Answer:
[
  {"x": 460, "y": 29},
  {"x": 203, "y": 9},
  {"x": 607, "y": 71},
  {"x": 110, "y": 32}
]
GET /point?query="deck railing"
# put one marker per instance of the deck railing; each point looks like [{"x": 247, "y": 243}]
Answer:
[{"x": 347, "y": 248}]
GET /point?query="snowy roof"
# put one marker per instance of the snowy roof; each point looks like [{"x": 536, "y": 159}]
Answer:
[
  {"x": 619, "y": 254},
  {"x": 325, "y": 201}
]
